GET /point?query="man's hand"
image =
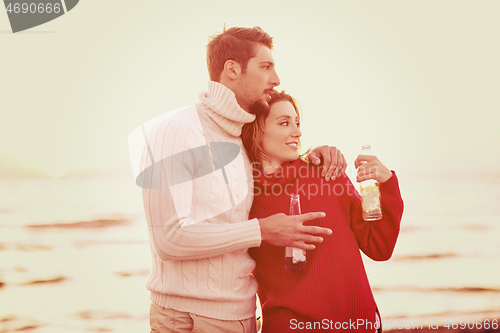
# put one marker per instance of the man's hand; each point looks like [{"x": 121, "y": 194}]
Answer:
[
  {"x": 334, "y": 163},
  {"x": 283, "y": 230},
  {"x": 369, "y": 167}
]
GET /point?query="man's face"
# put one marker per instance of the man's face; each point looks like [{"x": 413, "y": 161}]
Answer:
[{"x": 254, "y": 86}]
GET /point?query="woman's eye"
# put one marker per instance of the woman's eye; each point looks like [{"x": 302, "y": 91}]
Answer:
[{"x": 285, "y": 123}]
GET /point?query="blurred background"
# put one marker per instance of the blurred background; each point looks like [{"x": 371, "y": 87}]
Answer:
[{"x": 417, "y": 80}]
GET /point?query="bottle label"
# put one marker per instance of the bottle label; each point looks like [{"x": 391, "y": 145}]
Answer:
[
  {"x": 297, "y": 255},
  {"x": 370, "y": 198}
]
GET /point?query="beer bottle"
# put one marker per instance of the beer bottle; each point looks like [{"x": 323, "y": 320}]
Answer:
[
  {"x": 370, "y": 194},
  {"x": 295, "y": 259}
]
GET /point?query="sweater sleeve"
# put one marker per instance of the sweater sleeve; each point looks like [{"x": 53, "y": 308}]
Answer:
[
  {"x": 174, "y": 232},
  {"x": 377, "y": 239}
]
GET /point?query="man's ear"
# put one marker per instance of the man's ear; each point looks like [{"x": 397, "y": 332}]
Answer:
[{"x": 232, "y": 69}]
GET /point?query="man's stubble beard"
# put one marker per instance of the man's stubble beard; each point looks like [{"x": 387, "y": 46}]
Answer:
[{"x": 259, "y": 107}]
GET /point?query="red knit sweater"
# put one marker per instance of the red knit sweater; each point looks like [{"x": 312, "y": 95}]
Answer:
[{"x": 334, "y": 292}]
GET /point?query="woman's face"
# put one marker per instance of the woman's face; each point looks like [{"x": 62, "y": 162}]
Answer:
[{"x": 280, "y": 142}]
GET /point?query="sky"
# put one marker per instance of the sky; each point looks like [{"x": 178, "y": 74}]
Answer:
[{"x": 417, "y": 80}]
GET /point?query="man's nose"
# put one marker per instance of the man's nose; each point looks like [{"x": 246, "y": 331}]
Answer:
[{"x": 275, "y": 80}]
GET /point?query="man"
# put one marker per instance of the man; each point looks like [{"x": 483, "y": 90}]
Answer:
[{"x": 199, "y": 190}]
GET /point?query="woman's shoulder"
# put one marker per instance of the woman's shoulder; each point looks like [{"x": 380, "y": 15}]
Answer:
[{"x": 309, "y": 167}]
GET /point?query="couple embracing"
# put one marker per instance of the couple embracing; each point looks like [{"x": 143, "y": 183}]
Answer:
[{"x": 218, "y": 236}]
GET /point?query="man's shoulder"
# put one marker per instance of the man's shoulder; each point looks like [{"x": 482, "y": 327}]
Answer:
[
  {"x": 186, "y": 116},
  {"x": 180, "y": 120},
  {"x": 179, "y": 127}
]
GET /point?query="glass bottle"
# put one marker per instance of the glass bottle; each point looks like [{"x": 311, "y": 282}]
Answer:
[
  {"x": 370, "y": 194},
  {"x": 295, "y": 259}
]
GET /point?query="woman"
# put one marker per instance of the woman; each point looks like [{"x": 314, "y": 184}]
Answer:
[{"x": 333, "y": 292}]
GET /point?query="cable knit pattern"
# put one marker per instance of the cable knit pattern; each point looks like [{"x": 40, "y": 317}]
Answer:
[{"x": 199, "y": 228}]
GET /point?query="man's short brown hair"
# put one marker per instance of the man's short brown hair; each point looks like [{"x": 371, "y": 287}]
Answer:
[{"x": 238, "y": 44}]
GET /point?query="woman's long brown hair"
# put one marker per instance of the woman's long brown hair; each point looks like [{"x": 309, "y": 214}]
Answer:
[{"x": 252, "y": 133}]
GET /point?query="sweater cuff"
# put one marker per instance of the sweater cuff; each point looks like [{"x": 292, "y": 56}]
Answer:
[
  {"x": 391, "y": 185},
  {"x": 248, "y": 235}
]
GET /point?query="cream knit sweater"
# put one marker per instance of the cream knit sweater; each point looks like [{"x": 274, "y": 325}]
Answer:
[{"x": 199, "y": 228}]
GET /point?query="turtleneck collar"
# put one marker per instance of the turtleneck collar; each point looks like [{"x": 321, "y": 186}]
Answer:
[{"x": 224, "y": 109}]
